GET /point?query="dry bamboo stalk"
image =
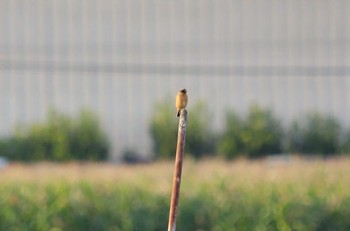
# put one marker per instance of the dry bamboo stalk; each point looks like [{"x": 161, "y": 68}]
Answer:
[{"x": 178, "y": 170}]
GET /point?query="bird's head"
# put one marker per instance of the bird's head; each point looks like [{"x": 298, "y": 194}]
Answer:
[{"x": 183, "y": 91}]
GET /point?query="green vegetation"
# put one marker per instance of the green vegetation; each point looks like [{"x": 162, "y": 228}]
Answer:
[
  {"x": 164, "y": 127},
  {"x": 345, "y": 143},
  {"x": 315, "y": 134},
  {"x": 258, "y": 135},
  {"x": 59, "y": 138},
  {"x": 253, "y": 135},
  {"x": 200, "y": 139},
  {"x": 81, "y": 206},
  {"x": 214, "y": 196},
  {"x": 230, "y": 144},
  {"x": 164, "y": 130}
]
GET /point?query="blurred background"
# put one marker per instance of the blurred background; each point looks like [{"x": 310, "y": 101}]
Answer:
[
  {"x": 118, "y": 59},
  {"x": 83, "y": 81}
]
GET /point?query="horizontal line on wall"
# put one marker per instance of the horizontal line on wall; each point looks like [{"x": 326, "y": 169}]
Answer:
[{"x": 180, "y": 69}]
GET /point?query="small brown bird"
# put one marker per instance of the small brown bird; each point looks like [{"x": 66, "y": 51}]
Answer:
[{"x": 181, "y": 101}]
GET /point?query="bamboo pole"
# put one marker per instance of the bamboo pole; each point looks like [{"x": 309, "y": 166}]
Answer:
[{"x": 181, "y": 136}]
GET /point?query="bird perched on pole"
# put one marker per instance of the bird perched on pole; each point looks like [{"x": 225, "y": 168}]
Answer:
[{"x": 181, "y": 100}]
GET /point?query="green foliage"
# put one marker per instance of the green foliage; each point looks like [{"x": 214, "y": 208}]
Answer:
[
  {"x": 59, "y": 138},
  {"x": 66, "y": 205},
  {"x": 200, "y": 139},
  {"x": 257, "y": 135},
  {"x": 315, "y": 134},
  {"x": 262, "y": 133},
  {"x": 230, "y": 144},
  {"x": 83, "y": 206},
  {"x": 87, "y": 140},
  {"x": 345, "y": 142},
  {"x": 164, "y": 128}
]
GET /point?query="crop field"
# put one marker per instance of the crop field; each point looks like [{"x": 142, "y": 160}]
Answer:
[{"x": 271, "y": 194}]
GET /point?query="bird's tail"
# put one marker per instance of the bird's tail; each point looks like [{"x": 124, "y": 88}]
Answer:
[{"x": 178, "y": 113}]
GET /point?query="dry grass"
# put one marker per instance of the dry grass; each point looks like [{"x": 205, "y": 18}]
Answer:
[
  {"x": 272, "y": 194},
  {"x": 296, "y": 171}
]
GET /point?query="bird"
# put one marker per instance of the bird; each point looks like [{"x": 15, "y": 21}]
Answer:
[{"x": 181, "y": 100}]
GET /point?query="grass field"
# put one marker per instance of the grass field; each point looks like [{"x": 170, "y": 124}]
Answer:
[{"x": 291, "y": 194}]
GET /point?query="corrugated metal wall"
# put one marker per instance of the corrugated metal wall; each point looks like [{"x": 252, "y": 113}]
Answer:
[{"x": 120, "y": 57}]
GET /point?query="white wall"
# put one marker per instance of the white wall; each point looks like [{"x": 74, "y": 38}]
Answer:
[{"x": 120, "y": 57}]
